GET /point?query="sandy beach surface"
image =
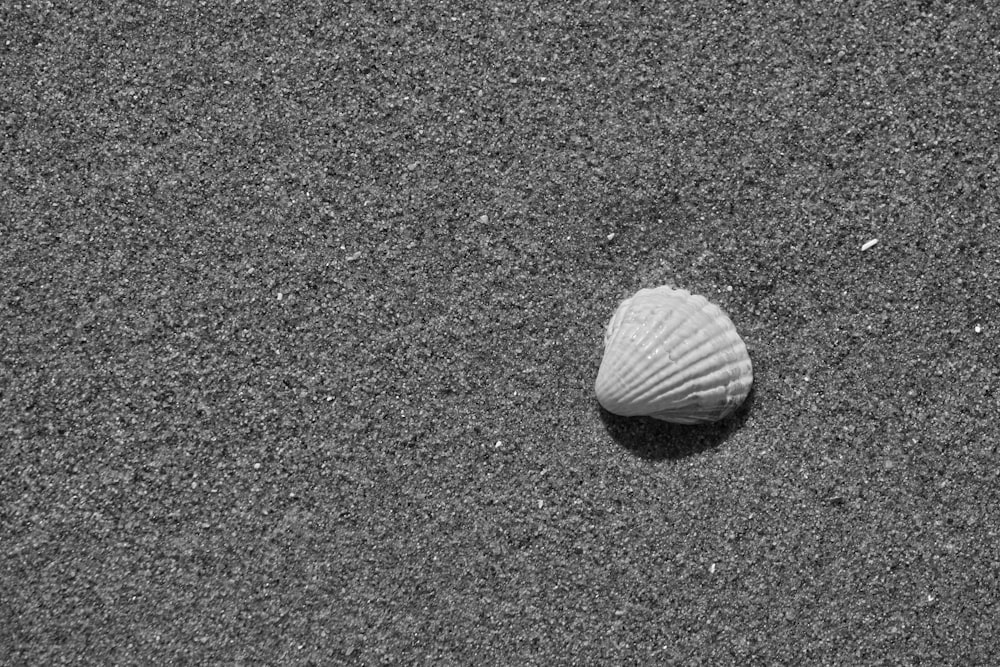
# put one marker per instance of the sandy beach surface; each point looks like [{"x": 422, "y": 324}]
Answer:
[{"x": 303, "y": 304}]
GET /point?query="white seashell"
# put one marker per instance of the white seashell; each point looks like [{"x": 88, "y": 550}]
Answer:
[{"x": 672, "y": 355}]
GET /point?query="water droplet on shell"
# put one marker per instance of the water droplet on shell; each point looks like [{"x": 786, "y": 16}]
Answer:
[{"x": 675, "y": 356}]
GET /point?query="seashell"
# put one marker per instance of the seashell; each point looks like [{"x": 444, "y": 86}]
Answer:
[{"x": 672, "y": 355}]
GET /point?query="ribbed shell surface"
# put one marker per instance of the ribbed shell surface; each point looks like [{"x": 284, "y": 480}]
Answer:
[{"x": 675, "y": 356}]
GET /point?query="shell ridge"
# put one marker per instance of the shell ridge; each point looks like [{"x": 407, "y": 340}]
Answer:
[
  {"x": 684, "y": 368},
  {"x": 675, "y": 320},
  {"x": 719, "y": 382},
  {"x": 639, "y": 376}
]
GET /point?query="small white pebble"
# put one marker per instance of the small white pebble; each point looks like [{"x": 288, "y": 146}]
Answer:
[
  {"x": 979, "y": 329},
  {"x": 355, "y": 257},
  {"x": 611, "y": 236},
  {"x": 869, "y": 244}
]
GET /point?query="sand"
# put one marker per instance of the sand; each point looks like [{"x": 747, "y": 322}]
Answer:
[{"x": 303, "y": 308}]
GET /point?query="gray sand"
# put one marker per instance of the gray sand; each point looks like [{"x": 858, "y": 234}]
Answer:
[{"x": 303, "y": 308}]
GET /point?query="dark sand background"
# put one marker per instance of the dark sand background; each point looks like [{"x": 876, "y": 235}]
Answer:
[{"x": 303, "y": 302}]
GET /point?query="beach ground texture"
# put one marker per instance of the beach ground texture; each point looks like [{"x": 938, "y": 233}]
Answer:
[{"x": 303, "y": 304}]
